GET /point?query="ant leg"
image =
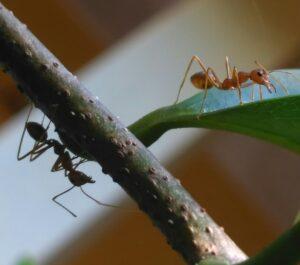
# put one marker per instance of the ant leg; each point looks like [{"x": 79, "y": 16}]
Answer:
[
  {"x": 74, "y": 157},
  {"x": 228, "y": 69},
  {"x": 38, "y": 150},
  {"x": 247, "y": 85},
  {"x": 204, "y": 97},
  {"x": 235, "y": 75},
  {"x": 81, "y": 161},
  {"x": 213, "y": 78},
  {"x": 215, "y": 81},
  {"x": 252, "y": 94},
  {"x": 61, "y": 205},
  {"x": 98, "y": 202},
  {"x": 260, "y": 93},
  {"x": 42, "y": 122},
  {"x": 57, "y": 165},
  {"x": 19, "y": 157},
  {"x": 194, "y": 58}
]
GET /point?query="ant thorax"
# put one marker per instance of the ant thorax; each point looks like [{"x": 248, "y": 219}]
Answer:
[{"x": 71, "y": 144}]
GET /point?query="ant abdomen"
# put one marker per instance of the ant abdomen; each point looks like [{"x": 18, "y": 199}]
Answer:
[
  {"x": 37, "y": 131},
  {"x": 199, "y": 80}
]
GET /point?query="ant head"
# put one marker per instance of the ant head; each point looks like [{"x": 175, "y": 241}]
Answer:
[
  {"x": 78, "y": 178},
  {"x": 37, "y": 131},
  {"x": 199, "y": 79},
  {"x": 261, "y": 77}
]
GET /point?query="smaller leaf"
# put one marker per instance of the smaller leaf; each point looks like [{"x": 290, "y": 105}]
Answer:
[
  {"x": 297, "y": 219},
  {"x": 26, "y": 261}
]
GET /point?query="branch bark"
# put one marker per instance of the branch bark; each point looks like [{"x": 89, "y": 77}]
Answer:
[{"x": 102, "y": 137}]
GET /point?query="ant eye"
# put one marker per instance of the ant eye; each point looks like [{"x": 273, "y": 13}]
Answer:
[{"x": 259, "y": 73}]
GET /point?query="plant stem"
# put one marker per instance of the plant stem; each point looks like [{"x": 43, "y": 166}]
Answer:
[{"x": 99, "y": 134}]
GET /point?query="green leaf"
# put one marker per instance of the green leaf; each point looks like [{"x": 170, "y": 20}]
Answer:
[
  {"x": 297, "y": 219},
  {"x": 276, "y": 118},
  {"x": 26, "y": 261}
]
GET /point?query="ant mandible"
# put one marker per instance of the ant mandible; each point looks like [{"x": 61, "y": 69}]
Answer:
[
  {"x": 235, "y": 80},
  {"x": 63, "y": 162}
]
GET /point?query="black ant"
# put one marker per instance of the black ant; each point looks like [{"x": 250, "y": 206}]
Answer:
[
  {"x": 63, "y": 162},
  {"x": 76, "y": 177}
]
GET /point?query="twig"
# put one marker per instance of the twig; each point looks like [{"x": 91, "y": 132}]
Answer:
[{"x": 74, "y": 111}]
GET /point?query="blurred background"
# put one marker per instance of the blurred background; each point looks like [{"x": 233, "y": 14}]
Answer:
[{"x": 137, "y": 50}]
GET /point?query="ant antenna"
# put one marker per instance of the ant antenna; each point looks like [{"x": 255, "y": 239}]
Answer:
[
  {"x": 98, "y": 202},
  {"x": 276, "y": 79},
  {"x": 285, "y": 72},
  {"x": 281, "y": 85},
  {"x": 23, "y": 133},
  {"x": 261, "y": 66},
  {"x": 61, "y": 205}
]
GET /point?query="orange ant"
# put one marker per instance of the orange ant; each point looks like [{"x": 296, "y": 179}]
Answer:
[
  {"x": 63, "y": 162},
  {"x": 235, "y": 80}
]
